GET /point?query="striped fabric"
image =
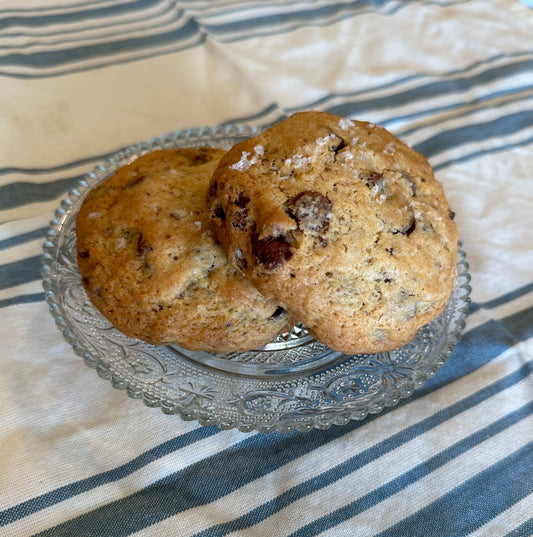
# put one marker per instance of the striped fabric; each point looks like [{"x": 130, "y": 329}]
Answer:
[{"x": 80, "y": 80}]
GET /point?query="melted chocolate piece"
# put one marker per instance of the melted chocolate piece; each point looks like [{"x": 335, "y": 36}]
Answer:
[
  {"x": 137, "y": 181},
  {"x": 311, "y": 210},
  {"x": 340, "y": 144},
  {"x": 143, "y": 247},
  {"x": 408, "y": 229},
  {"x": 196, "y": 156},
  {"x": 271, "y": 252},
  {"x": 240, "y": 218},
  {"x": 279, "y": 311}
]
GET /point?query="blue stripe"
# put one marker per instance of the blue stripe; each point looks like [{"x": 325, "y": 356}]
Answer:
[
  {"x": 208, "y": 480},
  {"x": 31, "y": 20},
  {"x": 23, "y": 237},
  {"x": 22, "y": 193},
  {"x": 44, "y": 9},
  {"x": 507, "y": 297},
  {"x": 524, "y": 530},
  {"x": 501, "y": 126},
  {"x": 432, "y": 90},
  {"x": 282, "y": 22},
  {"x": 117, "y": 28},
  {"x": 441, "y": 517},
  {"x": 275, "y": 450},
  {"x": 54, "y": 58},
  {"x": 60, "y": 168},
  {"x": 457, "y": 84},
  {"x": 19, "y": 193},
  {"x": 62, "y": 493},
  {"x": 366, "y": 457},
  {"x": 482, "y": 152},
  {"x": 20, "y": 272},
  {"x": 478, "y": 500},
  {"x": 417, "y": 94},
  {"x": 454, "y": 73},
  {"x": 102, "y": 63},
  {"x": 22, "y": 299}
]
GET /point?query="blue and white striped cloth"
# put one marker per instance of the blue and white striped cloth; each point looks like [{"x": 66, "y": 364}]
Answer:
[{"x": 82, "y": 79}]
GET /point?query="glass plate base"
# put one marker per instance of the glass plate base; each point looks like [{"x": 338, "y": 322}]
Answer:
[{"x": 294, "y": 383}]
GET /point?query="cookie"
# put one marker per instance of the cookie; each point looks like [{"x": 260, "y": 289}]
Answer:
[
  {"x": 150, "y": 263},
  {"x": 343, "y": 224}
]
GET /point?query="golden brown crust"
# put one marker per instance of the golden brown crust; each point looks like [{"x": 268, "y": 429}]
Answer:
[
  {"x": 151, "y": 265},
  {"x": 343, "y": 224}
]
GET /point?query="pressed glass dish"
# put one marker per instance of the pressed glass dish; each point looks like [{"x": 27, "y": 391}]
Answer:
[{"x": 294, "y": 383}]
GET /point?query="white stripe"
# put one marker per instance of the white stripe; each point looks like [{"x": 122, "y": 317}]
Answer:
[
  {"x": 416, "y": 496},
  {"x": 77, "y": 36},
  {"x": 14, "y": 10},
  {"x": 107, "y": 493},
  {"x": 21, "y": 251},
  {"x": 78, "y": 30},
  {"x": 30, "y": 210},
  {"x": 322, "y": 459},
  {"x": 510, "y": 519},
  {"x": 29, "y": 288},
  {"x": 70, "y": 68},
  {"x": 499, "y": 312},
  {"x": 20, "y": 227},
  {"x": 468, "y": 115}
]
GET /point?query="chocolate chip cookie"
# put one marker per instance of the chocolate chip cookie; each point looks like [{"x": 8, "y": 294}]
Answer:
[
  {"x": 343, "y": 224},
  {"x": 151, "y": 265}
]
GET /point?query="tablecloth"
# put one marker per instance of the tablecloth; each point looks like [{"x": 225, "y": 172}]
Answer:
[{"x": 454, "y": 78}]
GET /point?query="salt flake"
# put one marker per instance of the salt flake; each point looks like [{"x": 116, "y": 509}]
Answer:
[
  {"x": 325, "y": 140},
  {"x": 389, "y": 149},
  {"x": 345, "y": 123},
  {"x": 245, "y": 163}
]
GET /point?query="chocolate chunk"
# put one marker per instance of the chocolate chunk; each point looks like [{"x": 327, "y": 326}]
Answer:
[
  {"x": 242, "y": 201},
  {"x": 143, "y": 247},
  {"x": 411, "y": 228},
  {"x": 339, "y": 144},
  {"x": 451, "y": 214},
  {"x": 218, "y": 212},
  {"x": 311, "y": 210},
  {"x": 83, "y": 254},
  {"x": 279, "y": 311},
  {"x": 408, "y": 228},
  {"x": 271, "y": 252},
  {"x": 197, "y": 156},
  {"x": 239, "y": 218},
  {"x": 137, "y": 181}
]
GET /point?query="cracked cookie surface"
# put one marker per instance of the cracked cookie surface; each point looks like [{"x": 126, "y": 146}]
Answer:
[
  {"x": 343, "y": 224},
  {"x": 151, "y": 265}
]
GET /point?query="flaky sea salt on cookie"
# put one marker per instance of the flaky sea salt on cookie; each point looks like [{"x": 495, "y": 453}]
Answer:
[
  {"x": 341, "y": 223},
  {"x": 151, "y": 265}
]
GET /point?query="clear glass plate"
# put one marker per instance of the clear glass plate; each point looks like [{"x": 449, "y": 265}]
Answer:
[{"x": 294, "y": 383}]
